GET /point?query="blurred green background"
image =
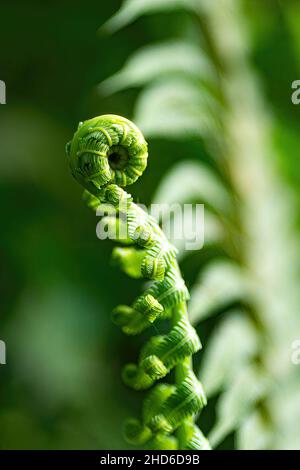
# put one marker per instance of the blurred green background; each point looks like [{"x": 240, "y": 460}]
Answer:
[{"x": 61, "y": 387}]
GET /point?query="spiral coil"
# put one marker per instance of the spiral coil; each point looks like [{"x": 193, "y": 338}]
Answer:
[
  {"x": 106, "y": 154},
  {"x": 107, "y": 149}
]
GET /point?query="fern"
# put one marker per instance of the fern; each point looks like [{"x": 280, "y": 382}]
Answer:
[
  {"x": 213, "y": 93},
  {"x": 106, "y": 154}
]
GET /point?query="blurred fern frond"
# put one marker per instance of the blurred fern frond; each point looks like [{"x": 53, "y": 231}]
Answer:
[
  {"x": 176, "y": 57},
  {"x": 133, "y": 9},
  {"x": 213, "y": 94}
]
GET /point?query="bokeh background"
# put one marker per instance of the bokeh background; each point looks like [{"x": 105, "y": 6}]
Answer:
[{"x": 61, "y": 386}]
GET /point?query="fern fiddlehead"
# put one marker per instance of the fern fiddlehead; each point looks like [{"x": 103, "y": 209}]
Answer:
[{"x": 106, "y": 154}]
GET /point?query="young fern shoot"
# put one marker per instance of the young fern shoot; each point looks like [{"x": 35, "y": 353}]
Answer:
[{"x": 106, "y": 154}]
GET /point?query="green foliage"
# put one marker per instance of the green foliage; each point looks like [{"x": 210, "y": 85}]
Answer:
[
  {"x": 132, "y": 9},
  {"x": 61, "y": 386},
  {"x": 169, "y": 408},
  {"x": 175, "y": 108},
  {"x": 210, "y": 92},
  {"x": 232, "y": 345},
  {"x": 247, "y": 390},
  {"x": 179, "y": 58},
  {"x": 109, "y": 149},
  {"x": 204, "y": 185},
  {"x": 220, "y": 285}
]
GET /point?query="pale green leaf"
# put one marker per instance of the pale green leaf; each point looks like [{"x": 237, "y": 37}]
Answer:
[
  {"x": 176, "y": 108},
  {"x": 133, "y": 9},
  {"x": 191, "y": 181},
  {"x": 221, "y": 284},
  {"x": 284, "y": 405},
  {"x": 199, "y": 184},
  {"x": 231, "y": 345},
  {"x": 254, "y": 433},
  {"x": 156, "y": 60},
  {"x": 213, "y": 233},
  {"x": 249, "y": 386}
]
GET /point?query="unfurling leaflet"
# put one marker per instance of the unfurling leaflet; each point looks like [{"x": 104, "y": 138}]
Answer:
[{"x": 106, "y": 154}]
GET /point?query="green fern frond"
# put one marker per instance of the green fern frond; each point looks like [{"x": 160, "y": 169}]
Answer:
[
  {"x": 249, "y": 210},
  {"x": 106, "y": 154}
]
